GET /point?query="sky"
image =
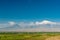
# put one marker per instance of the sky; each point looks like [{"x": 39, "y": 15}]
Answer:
[{"x": 28, "y": 12}]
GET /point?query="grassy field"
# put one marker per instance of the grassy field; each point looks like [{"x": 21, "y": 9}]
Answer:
[{"x": 29, "y": 35}]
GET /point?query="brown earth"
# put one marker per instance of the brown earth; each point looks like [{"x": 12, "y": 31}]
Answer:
[{"x": 54, "y": 38}]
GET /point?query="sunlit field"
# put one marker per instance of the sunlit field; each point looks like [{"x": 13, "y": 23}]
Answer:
[{"x": 30, "y": 36}]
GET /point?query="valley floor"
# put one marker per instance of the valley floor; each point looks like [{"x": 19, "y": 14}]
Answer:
[{"x": 30, "y": 36}]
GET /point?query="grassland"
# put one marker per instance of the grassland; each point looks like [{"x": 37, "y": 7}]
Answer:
[{"x": 28, "y": 35}]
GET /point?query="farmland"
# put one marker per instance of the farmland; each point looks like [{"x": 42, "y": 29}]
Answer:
[{"x": 29, "y": 35}]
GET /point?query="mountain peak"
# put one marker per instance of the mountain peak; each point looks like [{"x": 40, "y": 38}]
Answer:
[
  {"x": 11, "y": 23},
  {"x": 47, "y": 22}
]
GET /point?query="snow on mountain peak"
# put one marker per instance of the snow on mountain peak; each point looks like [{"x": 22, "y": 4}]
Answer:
[
  {"x": 47, "y": 22},
  {"x": 11, "y": 23}
]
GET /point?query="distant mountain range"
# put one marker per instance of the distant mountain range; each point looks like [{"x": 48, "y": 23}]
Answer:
[{"x": 43, "y": 26}]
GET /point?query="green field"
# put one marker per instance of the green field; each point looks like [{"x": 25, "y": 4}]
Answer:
[{"x": 27, "y": 35}]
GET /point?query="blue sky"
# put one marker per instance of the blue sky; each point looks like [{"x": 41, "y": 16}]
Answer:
[
  {"x": 28, "y": 15},
  {"x": 29, "y": 9}
]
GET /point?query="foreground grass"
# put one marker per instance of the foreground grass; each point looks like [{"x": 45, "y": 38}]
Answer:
[{"x": 27, "y": 35}]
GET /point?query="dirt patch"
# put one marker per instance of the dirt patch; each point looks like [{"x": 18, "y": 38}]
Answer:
[{"x": 54, "y": 38}]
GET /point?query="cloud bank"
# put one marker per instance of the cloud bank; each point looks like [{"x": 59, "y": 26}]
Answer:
[{"x": 42, "y": 26}]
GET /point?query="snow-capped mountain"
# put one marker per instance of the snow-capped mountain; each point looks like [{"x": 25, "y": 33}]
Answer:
[{"x": 37, "y": 26}]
